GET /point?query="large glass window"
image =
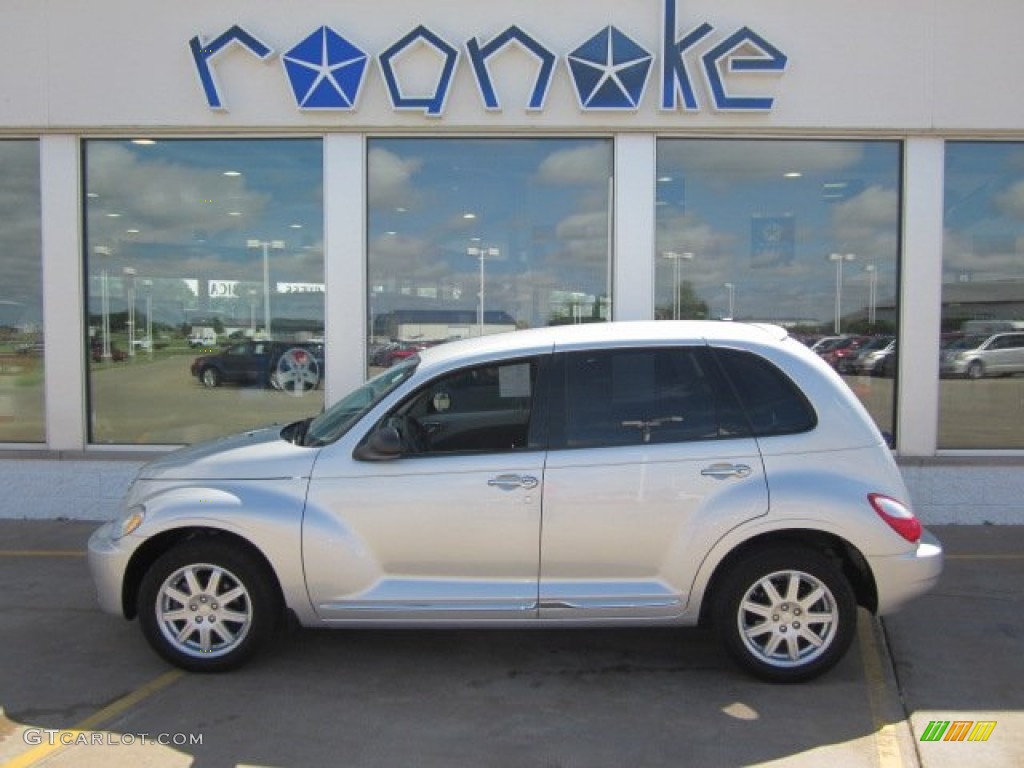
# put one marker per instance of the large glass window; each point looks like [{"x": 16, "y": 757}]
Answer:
[
  {"x": 804, "y": 234},
  {"x": 982, "y": 357},
  {"x": 478, "y": 236},
  {"x": 205, "y": 286},
  {"x": 21, "y": 295}
]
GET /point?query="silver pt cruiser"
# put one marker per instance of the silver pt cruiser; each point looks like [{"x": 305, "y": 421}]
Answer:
[{"x": 668, "y": 473}]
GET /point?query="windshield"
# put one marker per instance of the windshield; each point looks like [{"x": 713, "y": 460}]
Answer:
[
  {"x": 968, "y": 342},
  {"x": 880, "y": 342},
  {"x": 336, "y": 420}
]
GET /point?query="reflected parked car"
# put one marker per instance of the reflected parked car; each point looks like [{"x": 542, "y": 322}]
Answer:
[
  {"x": 609, "y": 474},
  {"x": 825, "y": 343},
  {"x": 292, "y": 366},
  {"x": 867, "y": 357},
  {"x": 116, "y": 354},
  {"x": 394, "y": 352},
  {"x": 885, "y": 363},
  {"x": 977, "y": 355},
  {"x": 841, "y": 349}
]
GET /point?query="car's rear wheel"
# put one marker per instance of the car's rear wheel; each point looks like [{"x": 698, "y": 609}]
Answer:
[
  {"x": 206, "y": 606},
  {"x": 211, "y": 378},
  {"x": 786, "y": 614}
]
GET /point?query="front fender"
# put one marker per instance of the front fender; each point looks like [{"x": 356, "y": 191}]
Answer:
[{"x": 266, "y": 514}]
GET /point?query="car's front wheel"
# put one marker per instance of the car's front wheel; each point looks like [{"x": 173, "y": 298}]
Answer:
[
  {"x": 206, "y": 606},
  {"x": 211, "y": 378},
  {"x": 786, "y": 614},
  {"x": 975, "y": 370}
]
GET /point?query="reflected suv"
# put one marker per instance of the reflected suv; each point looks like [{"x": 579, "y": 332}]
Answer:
[
  {"x": 671, "y": 473},
  {"x": 294, "y": 367},
  {"x": 976, "y": 356}
]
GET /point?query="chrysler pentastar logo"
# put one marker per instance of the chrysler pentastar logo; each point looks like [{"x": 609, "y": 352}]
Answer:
[
  {"x": 610, "y": 71},
  {"x": 325, "y": 71}
]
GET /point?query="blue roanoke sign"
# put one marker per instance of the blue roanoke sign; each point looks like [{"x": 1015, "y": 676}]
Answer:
[{"x": 609, "y": 71}]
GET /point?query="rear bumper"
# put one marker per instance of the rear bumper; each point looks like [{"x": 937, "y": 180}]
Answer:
[{"x": 901, "y": 578}]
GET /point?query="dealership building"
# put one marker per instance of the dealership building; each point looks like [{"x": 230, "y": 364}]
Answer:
[{"x": 357, "y": 180}]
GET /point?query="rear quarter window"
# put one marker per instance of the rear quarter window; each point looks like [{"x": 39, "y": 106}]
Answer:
[{"x": 772, "y": 403}]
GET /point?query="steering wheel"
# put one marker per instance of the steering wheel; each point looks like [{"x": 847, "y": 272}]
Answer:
[{"x": 415, "y": 439}]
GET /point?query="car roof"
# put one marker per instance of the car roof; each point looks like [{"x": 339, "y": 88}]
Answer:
[{"x": 616, "y": 333}]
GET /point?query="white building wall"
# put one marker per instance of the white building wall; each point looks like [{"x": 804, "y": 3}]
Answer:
[{"x": 854, "y": 65}]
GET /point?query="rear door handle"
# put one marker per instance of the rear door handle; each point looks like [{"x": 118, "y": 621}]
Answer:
[
  {"x": 722, "y": 471},
  {"x": 511, "y": 482}
]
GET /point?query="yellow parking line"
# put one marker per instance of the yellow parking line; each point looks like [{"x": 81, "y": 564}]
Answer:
[
  {"x": 887, "y": 743},
  {"x": 108, "y": 712},
  {"x": 42, "y": 553}
]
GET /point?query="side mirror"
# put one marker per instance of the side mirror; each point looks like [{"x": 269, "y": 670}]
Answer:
[{"x": 382, "y": 444}]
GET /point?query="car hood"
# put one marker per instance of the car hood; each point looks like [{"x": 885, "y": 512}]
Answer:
[{"x": 257, "y": 455}]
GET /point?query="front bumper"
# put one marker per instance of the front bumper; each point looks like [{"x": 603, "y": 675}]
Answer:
[
  {"x": 953, "y": 367},
  {"x": 901, "y": 578},
  {"x": 108, "y": 561}
]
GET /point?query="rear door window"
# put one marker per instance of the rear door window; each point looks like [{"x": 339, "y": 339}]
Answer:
[{"x": 623, "y": 397}]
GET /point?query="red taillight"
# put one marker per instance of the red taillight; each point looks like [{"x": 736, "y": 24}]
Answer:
[{"x": 897, "y": 515}]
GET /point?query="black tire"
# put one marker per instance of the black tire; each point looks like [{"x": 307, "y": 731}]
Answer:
[
  {"x": 774, "y": 636},
  {"x": 207, "y": 606},
  {"x": 210, "y": 378},
  {"x": 975, "y": 370}
]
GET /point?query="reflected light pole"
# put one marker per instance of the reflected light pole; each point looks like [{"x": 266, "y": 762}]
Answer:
[
  {"x": 676, "y": 271},
  {"x": 481, "y": 253},
  {"x": 103, "y": 250},
  {"x": 872, "y": 293},
  {"x": 130, "y": 274},
  {"x": 148, "y": 285},
  {"x": 839, "y": 258},
  {"x": 266, "y": 245},
  {"x": 732, "y": 300},
  {"x": 252, "y": 314}
]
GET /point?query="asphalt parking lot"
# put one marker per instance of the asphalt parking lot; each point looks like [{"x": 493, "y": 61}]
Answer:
[{"x": 80, "y": 688}]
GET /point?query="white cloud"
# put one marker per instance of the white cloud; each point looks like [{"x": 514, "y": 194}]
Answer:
[
  {"x": 868, "y": 224},
  {"x": 588, "y": 164},
  {"x": 390, "y": 177},
  {"x": 1011, "y": 201},
  {"x": 164, "y": 201}
]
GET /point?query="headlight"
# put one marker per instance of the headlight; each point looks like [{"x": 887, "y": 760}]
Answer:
[{"x": 130, "y": 520}]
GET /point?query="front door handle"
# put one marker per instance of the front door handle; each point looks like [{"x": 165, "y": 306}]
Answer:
[
  {"x": 723, "y": 471},
  {"x": 511, "y": 482}
]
